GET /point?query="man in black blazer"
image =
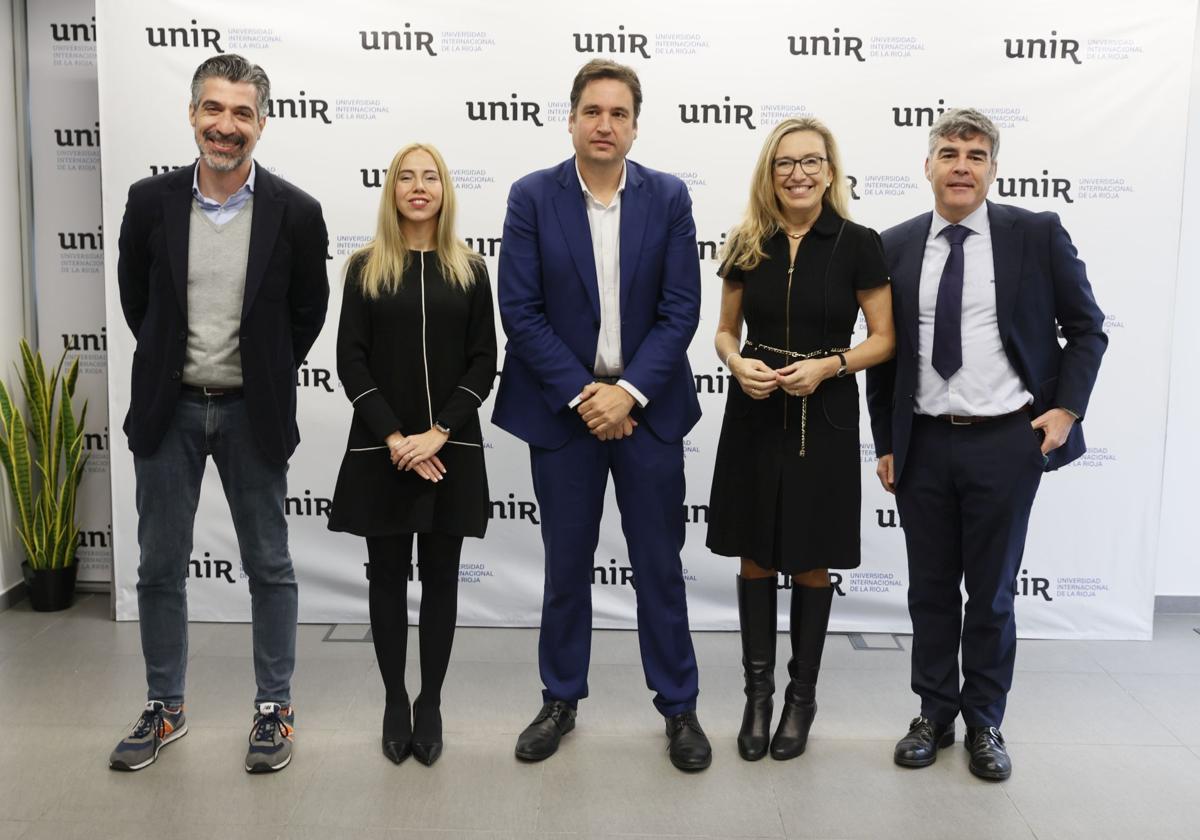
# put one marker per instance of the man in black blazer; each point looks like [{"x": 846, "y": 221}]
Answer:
[
  {"x": 223, "y": 282},
  {"x": 980, "y": 400}
]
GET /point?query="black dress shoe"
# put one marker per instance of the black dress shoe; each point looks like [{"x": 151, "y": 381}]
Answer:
[
  {"x": 427, "y": 732},
  {"x": 989, "y": 757},
  {"x": 919, "y": 747},
  {"x": 397, "y": 732},
  {"x": 540, "y": 739},
  {"x": 689, "y": 748}
]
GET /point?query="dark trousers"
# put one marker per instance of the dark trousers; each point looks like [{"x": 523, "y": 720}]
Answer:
[
  {"x": 569, "y": 483},
  {"x": 168, "y": 491},
  {"x": 964, "y": 502}
]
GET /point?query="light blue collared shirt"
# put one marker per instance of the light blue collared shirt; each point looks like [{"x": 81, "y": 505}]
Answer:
[{"x": 216, "y": 212}]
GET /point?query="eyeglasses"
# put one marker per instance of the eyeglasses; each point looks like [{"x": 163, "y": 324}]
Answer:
[{"x": 809, "y": 165}]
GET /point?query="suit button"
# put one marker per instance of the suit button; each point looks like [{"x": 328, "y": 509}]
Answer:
[{"x": 175, "y": 374}]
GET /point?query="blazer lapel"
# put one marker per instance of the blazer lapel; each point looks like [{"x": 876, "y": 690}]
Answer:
[
  {"x": 177, "y": 209},
  {"x": 264, "y": 230},
  {"x": 572, "y": 218},
  {"x": 1007, "y": 243},
  {"x": 634, "y": 202}
]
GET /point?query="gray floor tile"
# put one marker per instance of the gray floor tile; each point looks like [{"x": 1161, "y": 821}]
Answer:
[
  {"x": 632, "y": 787},
  {"x": 853, "y": 790},
  {"x": 1106, "y": 792},
  {"x": 1176, "y": 653},
  {"x": 20, "y": 623},
  {"x": 198, "y": 780},
  {"x": 14, "y": 829},
  {"x": 87, "y": 688},
  {"x": 358, "y": 787},
  {"x": 1173, "y": 699},
  {"x": 131, "y": 830},
  {"x": 1078, "y": 708}
]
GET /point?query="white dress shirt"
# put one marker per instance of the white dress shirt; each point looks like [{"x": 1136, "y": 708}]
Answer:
[
  {"x": 604, "y": 220},
  {"x": 216, "y": 212},
  {"x": 986, "y": 385}
]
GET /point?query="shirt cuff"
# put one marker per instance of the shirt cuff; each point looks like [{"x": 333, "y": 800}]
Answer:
[
  {"x": 1069, "y": 411},
  {"x": 571, "y": 405},
  {"x": 633, "y": 392}
]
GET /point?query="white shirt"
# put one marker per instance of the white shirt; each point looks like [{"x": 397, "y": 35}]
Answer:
[
  {"x": 219, "y": 213},
  {"x": 604, "y": 220},
  {"x": 986, "y": 385}
]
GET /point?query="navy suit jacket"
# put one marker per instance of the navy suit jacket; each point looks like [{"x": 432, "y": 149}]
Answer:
[
  {"x": 550, "y": 303},
  {"x": 1041, "y": 290},
  {"x": 283, "y": 306}
]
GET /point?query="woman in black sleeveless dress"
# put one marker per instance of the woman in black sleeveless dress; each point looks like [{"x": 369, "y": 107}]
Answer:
[
  {"x": 416, "y": 355},
  {"x": 786, "y": 484}
]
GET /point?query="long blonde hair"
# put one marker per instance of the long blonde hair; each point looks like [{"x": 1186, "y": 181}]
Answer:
[
  {"x": 764, "y": 218},
  {"x": 384, "y": 259}
]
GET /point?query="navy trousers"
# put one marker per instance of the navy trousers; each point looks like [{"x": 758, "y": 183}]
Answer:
[
  {"x": 964, "y": 502},
  {"x": 648, "y": 478}
]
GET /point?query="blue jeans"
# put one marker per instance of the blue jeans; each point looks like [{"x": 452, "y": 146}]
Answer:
[{"x": 168, "y": 490}]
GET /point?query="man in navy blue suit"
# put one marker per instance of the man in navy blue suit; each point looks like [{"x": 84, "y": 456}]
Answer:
[
  {"x": 980, "y": 400},
  {"x": 599, "y": 292}
]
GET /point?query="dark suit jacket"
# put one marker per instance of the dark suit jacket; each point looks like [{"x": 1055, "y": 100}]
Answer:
[
  {"x": 1041, "y": 289},
  {"x": 283, "y": 307},
  {"x": 550, "y": 303}
]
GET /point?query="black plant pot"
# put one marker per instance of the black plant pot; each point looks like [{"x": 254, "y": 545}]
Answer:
[{"x": 50, "y": 589}]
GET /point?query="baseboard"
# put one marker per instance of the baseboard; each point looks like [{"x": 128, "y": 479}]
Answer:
[
  {"x": 1176, "y": 604},
  {"x": 13, "y": 596}
]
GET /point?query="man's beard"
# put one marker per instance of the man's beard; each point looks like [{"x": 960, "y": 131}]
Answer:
[{"x": 219, "y": 161}]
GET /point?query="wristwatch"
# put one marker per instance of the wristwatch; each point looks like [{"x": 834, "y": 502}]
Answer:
[{"x": 842, "y": 370}]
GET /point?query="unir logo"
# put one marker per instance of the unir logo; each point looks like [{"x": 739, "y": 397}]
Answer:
[
  {"x": 514, "y": 509},
  {"x": 612, "y": 42},
  {"x": 71, "y": 138},
  {"x": 314, "y": 377},
  {"x": 916, "y": 117},
  {"x": 1039, "y": 48},
  {"x": 86, "y": 341},
  {"x": 485, "y": 246},
  {"x": 159, "y": 169},
  {"x": 307, "y": 505},
  {"x": 726, "y": 113},
  {"x": 614, "y": 575},
  {"x": 1044, "y": 187},
  {"x": 81, "y": 240},
  {"x": 410, "y": 40},
  {"x": 500, "y": 110},
  {"x": 837, "y": 45},
  {"x": 300, "y": 107},
  {"x": 1026, "y": 586},
  {"x": 74, "y": 31},
  {"x": 183, "y": 36}
]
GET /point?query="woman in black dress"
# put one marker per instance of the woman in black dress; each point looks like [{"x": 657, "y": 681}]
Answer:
[
  {"x": 786, "y": 484},
  {"x": 416, "y": 353}
]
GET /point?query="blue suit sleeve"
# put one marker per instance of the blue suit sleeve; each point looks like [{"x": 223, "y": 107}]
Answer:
[
  {"x": 522, "y": 305},
  {"x": 663, "y": 349},
  {"x": 1080, "y": 320}
]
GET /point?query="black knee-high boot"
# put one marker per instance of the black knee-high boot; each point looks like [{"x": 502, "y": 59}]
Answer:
[
  {"x": 439, "y": 615},
  {"x": 809, "y": 623},
  {"x": 388, "y": 601},
  {"x": 757, "y": 600}
]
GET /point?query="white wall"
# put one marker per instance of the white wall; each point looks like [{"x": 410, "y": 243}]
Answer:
[
  {"x": 12, "y": 285},
  {"x": 1178, "y": 555}
]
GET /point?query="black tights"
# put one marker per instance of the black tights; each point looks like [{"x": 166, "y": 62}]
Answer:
[{"x": 389, "y": 560}]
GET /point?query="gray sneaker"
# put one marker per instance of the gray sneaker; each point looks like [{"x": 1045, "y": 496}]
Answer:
[
  {"x": 157, "y": 727},
  {"x": 270, "y": 738}
]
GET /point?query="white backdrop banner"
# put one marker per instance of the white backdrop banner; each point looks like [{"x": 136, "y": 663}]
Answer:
[
  {"x": 1091, "y": 101},
  {"x": 68, "y": 240}
]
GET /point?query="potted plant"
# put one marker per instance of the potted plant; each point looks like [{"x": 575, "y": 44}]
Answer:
[{"x": 43, "y": 457}]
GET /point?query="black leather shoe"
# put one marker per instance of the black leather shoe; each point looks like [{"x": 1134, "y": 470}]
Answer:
[
  {"x": 989, "y": 757},
  {"x": 427, "y": 732},
  {"x": 689, "y": 747},
  {"x": 919, "y": 747},
  {"x": 397, "y": 732},
  {"x": 540, "y": 739}
]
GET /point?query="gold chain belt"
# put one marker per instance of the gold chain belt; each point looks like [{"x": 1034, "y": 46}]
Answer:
[{"x": 816, "y": 354}]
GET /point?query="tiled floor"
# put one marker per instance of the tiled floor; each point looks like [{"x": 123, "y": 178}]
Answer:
[{"x": 1105, "y": 738}]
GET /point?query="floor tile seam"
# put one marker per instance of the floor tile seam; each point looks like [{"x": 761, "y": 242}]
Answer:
[
  {"x": 1008, "y": 795},
  {"x": 1129, "y": 693}
]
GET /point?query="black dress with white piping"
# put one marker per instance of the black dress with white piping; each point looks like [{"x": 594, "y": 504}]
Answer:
[{"x": 425, "y": 354}]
